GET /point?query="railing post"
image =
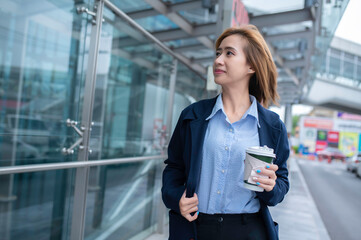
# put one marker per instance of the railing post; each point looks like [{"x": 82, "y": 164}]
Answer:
[{"x": 82, "y": 174}]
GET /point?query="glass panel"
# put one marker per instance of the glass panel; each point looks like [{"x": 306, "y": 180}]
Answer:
[
  {"x": 123, "y": 201},
  {"x": 130, "y": 108},
  {"x": 156, "y": 23},
  {"x": 358, "y": 73},
  {"x": 189, "y": 89},
  {"x": 335, "y": 66},
  {"x": 332, "y": 11},
  {"x": 199, "y": 16},
  {"x": 348, "y": 69},
  {"x": 36, "y": 205},
  {"x": 131, "y": 5},
  {"x": 43, "y": 51}
]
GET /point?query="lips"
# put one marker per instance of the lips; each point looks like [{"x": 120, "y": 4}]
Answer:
[{"x": 219, "y": 71}]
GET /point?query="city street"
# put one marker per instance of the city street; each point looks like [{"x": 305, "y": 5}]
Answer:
[{"x": 337, "y": 194}]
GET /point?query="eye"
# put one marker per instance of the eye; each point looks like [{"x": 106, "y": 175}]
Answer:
[
  {"x": 229, "y": 53},
  {"x": 217, "y": 54}
]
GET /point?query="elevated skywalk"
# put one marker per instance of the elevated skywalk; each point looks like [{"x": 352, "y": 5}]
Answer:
[{"x": 334, "y": 95}]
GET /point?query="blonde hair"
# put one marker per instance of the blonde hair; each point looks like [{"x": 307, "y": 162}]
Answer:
[{"x": 263, "y": 83}]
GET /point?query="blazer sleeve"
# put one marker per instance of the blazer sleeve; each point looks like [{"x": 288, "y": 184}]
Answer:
[
  {"x": 279, "y": 191},
  {"x": 174, "y": 173}
]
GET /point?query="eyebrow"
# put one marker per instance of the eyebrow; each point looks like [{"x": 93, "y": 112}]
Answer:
[{"x": 227, "y": 48}]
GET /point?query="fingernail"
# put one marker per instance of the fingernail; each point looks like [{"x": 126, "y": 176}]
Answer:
[
  {"x": 257, "y": 183},
  {"x": 197, "y": 213},
  {"x": 258, "y": 171},
  {"x": 267, "y": 166}
]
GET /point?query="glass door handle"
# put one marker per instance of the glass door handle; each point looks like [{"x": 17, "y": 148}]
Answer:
[{"x": 71, "y": 123}]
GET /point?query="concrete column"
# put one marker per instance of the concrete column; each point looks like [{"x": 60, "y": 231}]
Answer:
[{"x": 288, "y": 117}]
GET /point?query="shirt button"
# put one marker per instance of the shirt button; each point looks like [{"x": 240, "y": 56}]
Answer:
[
  {"x": 231, "y": 130},
  {"x": 219, "y": 192},
  {"x": 222, "y": 170},
  {"x": 226, "y": 148}
]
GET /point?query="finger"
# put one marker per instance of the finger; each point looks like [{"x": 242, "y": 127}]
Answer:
[
  {"x": 190, "y": 210},
  {"x": 190, "y": 201},
  {"x": 191, "y": 218},
  {"x": 267, "y": 184},
  {"x": 267, "y": 188},
  {"x": 273, "y": 167},
  {"x": 186, "y": 207},
  {"x": 266, "y": 181},
  {"x": 266, "y": 172}
]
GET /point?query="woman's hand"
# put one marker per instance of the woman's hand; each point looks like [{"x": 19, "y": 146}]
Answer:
[
  {"x": 267, "y": 183},
  {"x": 188, "y": 206}
]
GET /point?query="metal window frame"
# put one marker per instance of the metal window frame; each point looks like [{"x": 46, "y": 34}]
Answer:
[{"x": 79, "y": 164}]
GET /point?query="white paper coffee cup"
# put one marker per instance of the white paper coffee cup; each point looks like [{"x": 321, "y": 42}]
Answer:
[{"x": 256, "y": 158}]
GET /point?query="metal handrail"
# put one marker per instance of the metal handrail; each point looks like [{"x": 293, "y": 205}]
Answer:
[
  {"x": 67, "y": 165},
  {"x": 135, "y": 25}
]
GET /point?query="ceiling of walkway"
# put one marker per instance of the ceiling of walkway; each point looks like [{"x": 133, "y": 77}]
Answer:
[{"x": 189, "y": 28}]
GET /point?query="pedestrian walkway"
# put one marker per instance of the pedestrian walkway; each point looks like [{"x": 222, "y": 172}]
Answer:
[{"x": 297, "y": 215}]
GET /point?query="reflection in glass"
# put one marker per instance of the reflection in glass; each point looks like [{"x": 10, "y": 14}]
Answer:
[
  {"x": 189, "y": 89},
  {"x": 130, "y": 107},
  {"x": 125, "y": 202},
  {"x": 39, "y": 206},
  {"x": 42, "y": 54}
]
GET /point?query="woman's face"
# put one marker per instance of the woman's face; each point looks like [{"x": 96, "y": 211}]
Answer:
[{"x": 230, "y": 65}]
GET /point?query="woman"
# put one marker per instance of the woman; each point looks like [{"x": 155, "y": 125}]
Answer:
[{"x": 203, "y": 178}]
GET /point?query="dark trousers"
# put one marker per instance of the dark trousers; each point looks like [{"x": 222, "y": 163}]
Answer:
[{"x": 231, "y": 227}]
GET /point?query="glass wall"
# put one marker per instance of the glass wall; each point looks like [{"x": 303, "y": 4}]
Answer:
[
  {"x": 39, "y": 206},
  {"x": 43, "y": 51},
  {"x": 125, "y": 203},
  {"x": 130, "y": 109},
  {"x": 342, "y": 67},
  {"x": 44, "y": 55}
]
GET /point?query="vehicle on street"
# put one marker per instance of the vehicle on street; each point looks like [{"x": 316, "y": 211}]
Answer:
[
  {"x": 358, "y": 170},
  {"x": 330, "y": 154},
  {"x": 353, "y": 162}
]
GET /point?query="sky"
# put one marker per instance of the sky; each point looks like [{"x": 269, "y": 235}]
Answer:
[{"x": 349, "y": 26}]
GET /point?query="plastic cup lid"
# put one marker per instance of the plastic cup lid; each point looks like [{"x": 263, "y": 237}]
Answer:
[{"x": 264, "y": 151}]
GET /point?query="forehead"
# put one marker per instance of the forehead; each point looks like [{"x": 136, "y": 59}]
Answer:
[{"x": 235, "y": 41}]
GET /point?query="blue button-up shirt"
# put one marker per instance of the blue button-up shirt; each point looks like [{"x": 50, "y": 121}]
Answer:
[{"x": 220, "y": 188}]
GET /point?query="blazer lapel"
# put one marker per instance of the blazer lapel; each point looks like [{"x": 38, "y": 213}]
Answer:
[
  {"x": 264, "y": 136},
  {"x": 268, "y": 135},
  {"x": 198, "y": 131}
]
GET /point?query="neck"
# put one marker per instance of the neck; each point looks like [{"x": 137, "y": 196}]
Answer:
[
  {"x": 235, "y": 102},
  {"x": 235, "y": 98}
]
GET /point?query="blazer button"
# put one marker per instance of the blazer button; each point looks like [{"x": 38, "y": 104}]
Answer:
[{"x": 220, "y": 219}]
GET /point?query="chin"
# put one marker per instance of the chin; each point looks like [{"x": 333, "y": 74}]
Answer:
[{"x": 220, "y": 80}]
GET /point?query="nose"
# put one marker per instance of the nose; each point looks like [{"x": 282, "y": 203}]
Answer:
[{"x": 219, "y": 60}]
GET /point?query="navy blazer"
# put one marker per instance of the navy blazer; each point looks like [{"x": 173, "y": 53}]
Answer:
[{"x": 184, "y": 161}]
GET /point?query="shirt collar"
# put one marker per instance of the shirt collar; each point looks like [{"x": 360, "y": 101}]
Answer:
[
  {"x": 252, "y": 110},
  {"x": 218, "y": 106}
]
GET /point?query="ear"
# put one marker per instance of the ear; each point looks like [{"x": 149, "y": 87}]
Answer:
[{"x": 250, "y": 70}]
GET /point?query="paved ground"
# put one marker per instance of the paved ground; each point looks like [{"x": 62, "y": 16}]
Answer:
[
  {"x": 337, "y": 194},
  {"x": 297, "y": 215}
]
